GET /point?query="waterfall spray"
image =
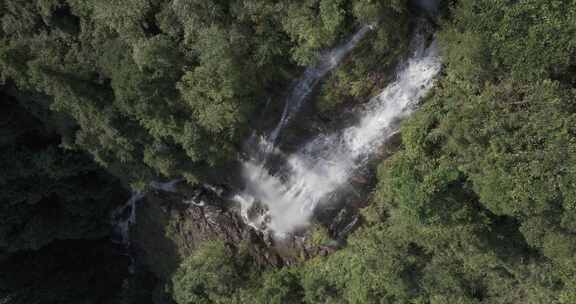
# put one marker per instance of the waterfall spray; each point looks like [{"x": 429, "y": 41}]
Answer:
[{"x": 324, "y": 165}]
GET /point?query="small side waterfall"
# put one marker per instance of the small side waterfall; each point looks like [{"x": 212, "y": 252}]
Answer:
[
  {"x": 320, "y": 168},
  {"x": 305, "y": 85},
  {"x": 122, "y": 218},
  {"x": 125, "y": 216}
]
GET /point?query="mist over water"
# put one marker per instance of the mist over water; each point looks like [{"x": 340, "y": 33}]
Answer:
[{"x": 323, "y": 166}]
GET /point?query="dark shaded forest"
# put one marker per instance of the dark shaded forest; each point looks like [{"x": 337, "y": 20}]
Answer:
[{"x": 99, "y": 98}]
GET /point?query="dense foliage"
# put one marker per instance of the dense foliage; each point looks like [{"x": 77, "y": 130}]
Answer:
[
  {"x": 147, "y": 89},
  {"x": 48, "y": 193},
  {"x": 67, "y": 272},
  {"x": 479, "y": 205},
  {"x": 54, "y": 212},
  {"x": 168, "y": 88}
]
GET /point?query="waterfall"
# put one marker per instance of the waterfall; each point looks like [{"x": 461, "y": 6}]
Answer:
[
  {"x": 304, "y": 86},
  {"x": 125, "y": 216},
  {"x": 122, "y": 218},
  {"x": 318, "y": 169}
]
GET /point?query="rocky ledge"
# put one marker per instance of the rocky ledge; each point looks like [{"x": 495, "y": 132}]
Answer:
[{"x": 171, "y": 225}]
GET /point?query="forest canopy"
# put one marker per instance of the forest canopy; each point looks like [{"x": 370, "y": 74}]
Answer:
[
  {"x": 478, "y": 205},
  {"x": 169, "y": 88},
  {"x": 101, "y": 97}
]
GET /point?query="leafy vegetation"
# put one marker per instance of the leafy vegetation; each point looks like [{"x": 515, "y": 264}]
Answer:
[
  {"x": 210, "y": 275},
  {"x": 55, "y": 212},
  {"x": 48, "y": 193},
  {"x": 370, "y": 66},
  {"x": 77, "y": 271},
  {"x": 167, "y": 88},
  {"x": 147, "y": 89},
  {"x": 478, "y": 206}
]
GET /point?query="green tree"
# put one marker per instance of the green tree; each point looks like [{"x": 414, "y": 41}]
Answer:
[{"x": 210, "y": 275}]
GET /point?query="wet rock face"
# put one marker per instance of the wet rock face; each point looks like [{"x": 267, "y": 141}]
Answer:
[{"x": 170, "y": 226}]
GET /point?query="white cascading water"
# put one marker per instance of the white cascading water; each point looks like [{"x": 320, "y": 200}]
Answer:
[
  {"x": 123, "y": 217},
  {"x": 304, "y": 86},
  {"x": 324, "y": 165}
]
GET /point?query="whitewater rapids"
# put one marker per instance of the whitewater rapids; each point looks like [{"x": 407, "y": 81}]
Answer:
[{"x": 324, "y": 165}]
